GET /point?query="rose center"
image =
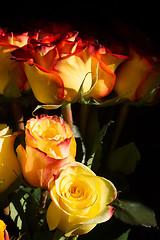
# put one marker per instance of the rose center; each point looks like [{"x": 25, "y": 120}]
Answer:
[
  {"x": 76, "y": 191},
  {"x": 48, "y": 129}
]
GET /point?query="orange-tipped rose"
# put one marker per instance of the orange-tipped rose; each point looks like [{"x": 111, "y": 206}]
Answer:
[
  {"x": 80, "y": 200},
  {"x": 3, "y": 232},
  {"x": 2, "y": 229},
  {"x": 49, "y": 144},
  {"x": 11, "y": 72},
  {"x": 59, "y": 66},
  {"x": 9, "y": 165},
  {"x": 136, "y": 78}
]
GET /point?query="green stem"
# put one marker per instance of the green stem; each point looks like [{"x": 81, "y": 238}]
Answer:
[
  {"x": 18, "y": 115},
  {"x": 67, "y": 113},
  {"x": 85, "y": 110},
  {"x": 119, "y": 126},
  {"x": 73, "y": 238}
]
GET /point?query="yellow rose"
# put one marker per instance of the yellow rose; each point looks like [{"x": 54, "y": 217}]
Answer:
[
  {"x": 9, "y": 165},
  {"x": 59, "y": 66},
  {"x": 80, "y": 200},
  {"x": 136, "y": 78},
  {"x": 49, "y": 144},
  {"x": 11, "y": 72},
  {"x": 2, "y": 229}
]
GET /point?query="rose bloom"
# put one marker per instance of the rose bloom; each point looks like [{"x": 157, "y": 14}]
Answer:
[
  {"x": 3, "y": 232},
  {"x": 49, "y": 144},
  {"x": 59, "y": 66},
  {"x": 9, "y": 165},
  {"x": 11, "y": 72},
  {"x": 80, "y": 200},
  {"x": 136, "y": 78}
]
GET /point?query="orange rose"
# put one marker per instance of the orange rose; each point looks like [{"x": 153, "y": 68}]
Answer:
[
  {"x": 59, "y": 66},
  {"x": 11, "y": 73},
  {"x": 49, "y": 144}
]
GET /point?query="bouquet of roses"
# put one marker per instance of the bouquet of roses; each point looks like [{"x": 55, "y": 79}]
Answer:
[{"x": 47, "y": 187}]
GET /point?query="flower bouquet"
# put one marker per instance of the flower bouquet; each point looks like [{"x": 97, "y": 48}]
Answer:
[{"x": 62, "y": 170}]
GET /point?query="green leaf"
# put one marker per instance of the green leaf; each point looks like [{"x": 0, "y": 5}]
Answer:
[
  {"x": 81, "y": 150},
  {"x": 47, "y": 107},
  {"x": 134, "y": 212},
  {"x": 109, "y": 102},
  {"x": 124, "y": 159},
  {"x": 59, "y": 235},
  {"x": 18, "y": 206},
  {"x": 34, "y": 219},
  {"x": 43, "y": 234},
  {"x": 124, "y": 236}
]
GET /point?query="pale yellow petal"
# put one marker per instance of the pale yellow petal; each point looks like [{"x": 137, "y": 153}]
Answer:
[
  {"x": 73, "y": 71},
  {"x": 9, "y": 165}
]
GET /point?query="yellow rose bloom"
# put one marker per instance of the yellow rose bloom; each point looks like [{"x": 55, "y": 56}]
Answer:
[
  {"x": 136, "y": 78},
  {"x": 80, "y": 200},
  {"x": 9, "y": 165},
  {"x": 11, "y": 71},
  {"x": 2, "y": 229}
]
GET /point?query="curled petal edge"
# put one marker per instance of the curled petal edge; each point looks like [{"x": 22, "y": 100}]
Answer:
[{"x": 104, "y": 216}]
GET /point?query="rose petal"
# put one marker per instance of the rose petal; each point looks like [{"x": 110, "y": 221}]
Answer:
[
  {"x": 73, "y": 70},
  {"x": 87, "y": 226},
  {"x": 51, "y": 135},
  {"x": 53, "y": 211},
  {"x": 105, "y": 81},
  {"x": 149, "y": 83},
  {"x": 130, "y": 74},
  {"x": 37, "y": 168},
  {"x": 80, "y": 221},
  {"x": 2, "y": 229},
  {"x": 41, "y": 79},
  {"x": 10, "y": 167}
]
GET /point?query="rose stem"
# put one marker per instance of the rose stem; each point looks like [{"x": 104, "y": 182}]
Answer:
[
  {"x": 119, "y": 127},
  {"x": 43, "y": 200},
  {"x": 84, "y": 117},
  {"x": 73, "y": 238},
  {"x": 67, "y": 114},
  {"x": 18, "y": 115}
]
